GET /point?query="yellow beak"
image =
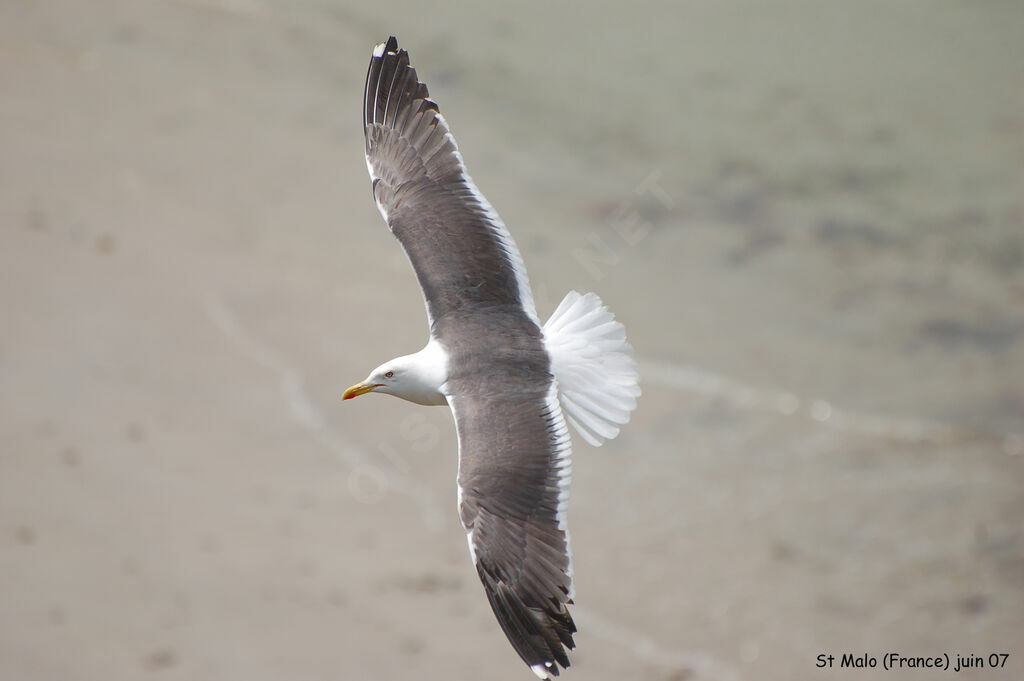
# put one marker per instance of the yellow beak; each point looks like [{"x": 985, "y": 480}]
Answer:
[{"x": 359, "y": 389}]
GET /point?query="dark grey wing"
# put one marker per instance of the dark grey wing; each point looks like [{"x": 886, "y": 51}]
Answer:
[
  {"x": 514, "y": 457},
  {"x": 460, "y": 249}
]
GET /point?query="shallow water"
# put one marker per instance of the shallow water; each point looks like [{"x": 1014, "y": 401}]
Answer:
[{"x": 810, "y": 219}]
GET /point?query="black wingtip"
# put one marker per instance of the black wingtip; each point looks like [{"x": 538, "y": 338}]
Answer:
[
  {"x": 540, "y": 635},
  {"x": 389, "y": 46}
]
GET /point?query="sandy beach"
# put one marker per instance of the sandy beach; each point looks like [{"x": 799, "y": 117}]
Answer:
[{"x": 809, "y": 216}]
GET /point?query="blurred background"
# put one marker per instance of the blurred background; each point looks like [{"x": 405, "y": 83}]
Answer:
[{"x": 809, "y": 216}]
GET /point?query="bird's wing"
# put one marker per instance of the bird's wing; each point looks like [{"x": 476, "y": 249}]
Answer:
[
  {"x": 514, "y": 458},
  {"x": 460, "y": 249}
]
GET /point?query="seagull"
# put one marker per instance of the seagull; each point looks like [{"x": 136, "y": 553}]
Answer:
[{"x": 511, "y": 383}]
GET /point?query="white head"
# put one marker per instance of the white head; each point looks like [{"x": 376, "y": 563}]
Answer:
[{"x": 419, "y": 377}]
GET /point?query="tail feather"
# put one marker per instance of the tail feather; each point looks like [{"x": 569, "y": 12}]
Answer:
[{"x": 593, "y": 364}]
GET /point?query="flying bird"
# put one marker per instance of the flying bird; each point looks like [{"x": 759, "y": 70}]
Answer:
[{"x": 511, "y": 382}]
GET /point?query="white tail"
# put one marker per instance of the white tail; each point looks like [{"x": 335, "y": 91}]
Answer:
[{"x": 594, "y": 367}]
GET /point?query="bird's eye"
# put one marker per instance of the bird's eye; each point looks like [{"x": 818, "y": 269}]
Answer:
[{"x": 389, "y": 374}]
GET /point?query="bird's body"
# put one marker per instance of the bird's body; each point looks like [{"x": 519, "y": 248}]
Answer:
[{"x": 510, "y": 382}]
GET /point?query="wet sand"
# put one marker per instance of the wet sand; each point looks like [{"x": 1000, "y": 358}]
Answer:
[{"x": 810, "y": 220}]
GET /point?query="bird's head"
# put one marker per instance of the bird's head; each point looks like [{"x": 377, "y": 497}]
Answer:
[
  {"x": 418, "y": 378},
  {"x": 387, "y": 379}
]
